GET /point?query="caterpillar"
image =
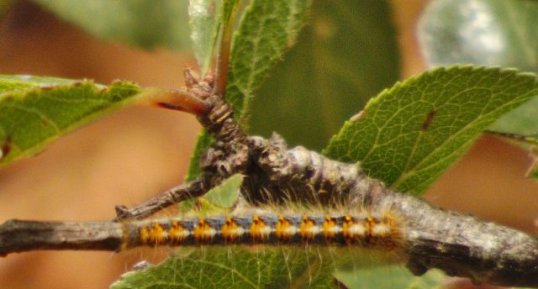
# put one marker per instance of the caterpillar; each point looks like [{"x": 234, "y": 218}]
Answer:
[{"x": 362, "y": 228}]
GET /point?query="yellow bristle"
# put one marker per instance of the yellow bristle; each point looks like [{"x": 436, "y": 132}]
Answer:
[
  {"x": 177, "y": 232},
  {"x": 203, "y": 232},
  {"x": 308, "y": 228},
  {"x": 284, "y": 230},
  {"x": 259, "y": 229},
  {"x": 370, "y": 223},
  {"x": 353, "y": 230},
  {"x": 157, "y": 234},
  {"x": 231, "y": 231},
  {"x": 330, "y": 229},
  {"x": 144, "y": 235}
]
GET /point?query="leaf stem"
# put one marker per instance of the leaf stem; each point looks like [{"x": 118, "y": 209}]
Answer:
[
  {"x": 179, "y": 99},
  {"x": 223, "y": 55}
]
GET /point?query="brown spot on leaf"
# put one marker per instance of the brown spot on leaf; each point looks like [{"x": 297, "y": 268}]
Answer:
[{"x": 428, "y": 121}]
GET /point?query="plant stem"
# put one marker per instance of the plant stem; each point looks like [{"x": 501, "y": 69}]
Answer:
[{"x": 20, "y": 236}]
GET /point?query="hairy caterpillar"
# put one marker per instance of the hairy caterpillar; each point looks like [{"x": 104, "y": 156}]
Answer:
[{"x": 363, "y": 228}]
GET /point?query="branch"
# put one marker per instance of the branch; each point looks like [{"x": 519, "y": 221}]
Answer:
[
  {"x": 464, "y": 246},
  {"x": 458, "y": 244},
  {"x": 20, "y": 236}
]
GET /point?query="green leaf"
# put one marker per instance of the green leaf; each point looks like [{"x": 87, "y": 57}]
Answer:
[
  {"x": 347, "y": 54},
  {"x": 203, "y": 22},
  {"x": 224, "y": 196},
  {"x": 144, "y": 23},
  {"x": 266, "y": 30},
  {"x": 205, "y": 18},
  {"x": 409, "y": 134},
  {"x": 203, "y": 142},
  {"x": 391, "y": 276},
  {"x": 486, "y": 32},
  {"x": 522, "y": 120},
  {"x": 253, "y": 267},
  {"x": 34, "y": 111},
  {"x": 242, "y": 268}
]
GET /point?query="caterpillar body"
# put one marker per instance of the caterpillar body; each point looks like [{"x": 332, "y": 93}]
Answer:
[{"x": 362, "y": 228}]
